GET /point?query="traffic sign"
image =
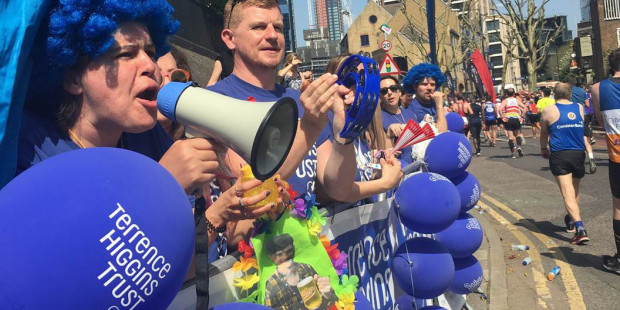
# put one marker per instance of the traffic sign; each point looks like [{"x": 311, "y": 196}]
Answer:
[
  {"x": 385, "y": 28},
  {"x": 388, "y": 66},
  {"x": 386, "y": 45}
]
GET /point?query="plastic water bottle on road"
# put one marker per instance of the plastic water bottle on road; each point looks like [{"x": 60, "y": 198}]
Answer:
[
  {"x": 554, "y": 273},
  {"x": 519, "y": 247},
  {"x": 526, "y": 261}
]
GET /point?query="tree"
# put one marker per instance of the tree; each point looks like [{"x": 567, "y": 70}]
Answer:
[
  {"x": 456, "y": 37},
  {"x": 526, "y": 18}
]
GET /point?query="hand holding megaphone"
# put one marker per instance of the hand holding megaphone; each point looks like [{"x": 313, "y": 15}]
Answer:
[
  {"x": 262, "y": 133},
  {"x": 191, "y": 162}
]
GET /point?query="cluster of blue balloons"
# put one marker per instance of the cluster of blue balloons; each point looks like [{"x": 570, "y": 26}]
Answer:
[{"x": 436, "y": 202}]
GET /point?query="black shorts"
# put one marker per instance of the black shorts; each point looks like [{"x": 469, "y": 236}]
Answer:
[
  {"x": 490, "y": 123},
  {"x": 569, "y": 161},
  {"x": 513, "y": 124},
  {"x": 534, "y": 118},
  {"x": 499, "y": 121},
  {"x": 614, "y": 178}
]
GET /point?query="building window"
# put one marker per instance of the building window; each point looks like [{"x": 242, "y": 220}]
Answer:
[
  {"x": 612, "y": 9},
  {"x": 365, "y": 40},
  {"x": 492, "y": 25},
  {"x": 494, "y": 37},
  {"x": 495, "y": 49},
  {"x": 497, "y": 61}
]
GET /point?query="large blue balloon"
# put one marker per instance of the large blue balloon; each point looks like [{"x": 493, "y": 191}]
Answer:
[
  {"x": 240, "y": 306},
  {"x": 455, "y": 122},
  {"x": 427, "y": 263},
  {"x": 361, "y": 302},
  {"x": 467, "y": 275},
  {"x": 463, "y": 237},
  {"x": 469, "y": 190},
  {"x": 428, "y": 202},
  {"x": 97, "y": 228},
  {"x": 448, "y": 154}
]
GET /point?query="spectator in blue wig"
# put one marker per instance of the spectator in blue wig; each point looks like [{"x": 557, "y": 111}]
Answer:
[
  {"x": 424, "y": 80},
  {"x": 94, "y": 84}
]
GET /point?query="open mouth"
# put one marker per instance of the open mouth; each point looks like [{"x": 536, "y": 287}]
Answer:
[{"x": 148, "y": 94}]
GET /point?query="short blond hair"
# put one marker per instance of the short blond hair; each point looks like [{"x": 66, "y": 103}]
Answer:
[{"x": 231, "y": 19}]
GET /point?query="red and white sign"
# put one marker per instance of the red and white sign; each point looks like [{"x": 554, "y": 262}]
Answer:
[
  {"x": 388, "y": 66},
  {"x": 386, "y": 45}
]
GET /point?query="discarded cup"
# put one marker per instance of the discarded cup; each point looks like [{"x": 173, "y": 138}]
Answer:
[
  {"x": 520, "y": 247},
  {"x": 554, "y": 273},
  {"x": 526, "y": 261}
]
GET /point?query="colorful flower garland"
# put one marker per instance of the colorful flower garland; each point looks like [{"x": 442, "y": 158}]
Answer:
[{"x": 303, "y": 208}]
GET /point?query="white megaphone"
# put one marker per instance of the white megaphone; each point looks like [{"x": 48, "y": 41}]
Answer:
[{"x": 260, "y": 132}]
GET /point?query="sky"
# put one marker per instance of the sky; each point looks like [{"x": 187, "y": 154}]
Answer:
[{"x": 570, "y": 8}]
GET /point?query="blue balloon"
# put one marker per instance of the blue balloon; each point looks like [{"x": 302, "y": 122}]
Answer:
[
  {"x": 455, "y": 122},
  {"x": 240, "y": 306},
  {"x": 94, "y": 228},
  {"x": 463, "y": 237},
  {"x": 467, "y": 275},
  {"x": 361, "y": 302},
  {"x": 427, "y": 263},
  {"x": 406, "y": 302},
  {"x": 448, "y": 154},
  {"x": 469, "y": 190},
  {"x": 428, "y": 202}
]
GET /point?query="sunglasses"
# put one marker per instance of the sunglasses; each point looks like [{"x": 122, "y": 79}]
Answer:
[
  {"x": 384, "y": 90},
  {"x": 232, "y": 8},
  {"x": 179, "y": 75}
]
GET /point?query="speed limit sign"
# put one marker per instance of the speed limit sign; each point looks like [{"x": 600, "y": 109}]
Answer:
[{"x": 386, "y": 45}]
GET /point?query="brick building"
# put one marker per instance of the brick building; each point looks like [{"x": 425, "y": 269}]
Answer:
[
  {"x": 409, "y": 35},
  {"x": 601, "y": 26}
]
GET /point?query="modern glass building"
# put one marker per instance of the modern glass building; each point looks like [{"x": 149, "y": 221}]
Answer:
[{"x": 286, "y": 6}]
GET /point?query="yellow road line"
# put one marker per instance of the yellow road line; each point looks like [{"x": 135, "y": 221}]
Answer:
[
  {"x": 575, "y": 298},
  {"x": 542, "y": 290}
]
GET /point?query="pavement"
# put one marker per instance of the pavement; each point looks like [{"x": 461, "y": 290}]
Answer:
[{"x": 521, "y": 204}]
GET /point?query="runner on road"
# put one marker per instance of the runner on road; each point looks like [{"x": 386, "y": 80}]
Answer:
[
  {"x": 490, "y": 128},
  {"x": 580, "y": 96},
  {"x": 606, "y": 100},
  {"x": 511, "y": 109},
  {"x": 562, "y": 130}
]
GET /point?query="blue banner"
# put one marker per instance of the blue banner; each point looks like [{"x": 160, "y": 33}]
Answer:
[{"x": 373, "y": 233}]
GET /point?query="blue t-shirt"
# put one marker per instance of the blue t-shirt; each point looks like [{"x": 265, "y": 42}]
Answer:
[
  {"x": 578, "y": 95},
  {"x": 40, "y": 139},
  {"x": 402, "y": 118},
  {"x": 420, "y": 110},
  {"x": 303, "y": 179}
]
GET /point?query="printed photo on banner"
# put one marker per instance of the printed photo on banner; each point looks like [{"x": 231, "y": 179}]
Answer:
[{"x": 295, "y": 270}]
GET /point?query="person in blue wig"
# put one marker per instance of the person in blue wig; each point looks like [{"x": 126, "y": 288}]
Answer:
[
  {"x": 424, "y": 80},
  {"x": 95, "y": 84}
]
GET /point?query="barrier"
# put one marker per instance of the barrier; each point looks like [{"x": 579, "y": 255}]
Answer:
[{"x": 369, "y": 258}]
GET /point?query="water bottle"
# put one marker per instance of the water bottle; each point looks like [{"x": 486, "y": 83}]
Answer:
[
  {"x": 520, "y": 247},
  {"x": 554, "y": 273},
  {"x": 526, "y": 261}
]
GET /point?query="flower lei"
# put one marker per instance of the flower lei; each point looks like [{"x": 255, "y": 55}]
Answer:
[{"x": 303, "y": 208}]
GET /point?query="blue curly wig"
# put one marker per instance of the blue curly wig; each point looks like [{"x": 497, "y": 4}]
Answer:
[
  {"x": 74, "y": 29},
  {"x": 419, "y": 72}
]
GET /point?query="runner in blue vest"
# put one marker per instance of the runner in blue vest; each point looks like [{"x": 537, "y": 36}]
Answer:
[
  {"x": 562, "y": 130},
  {"x": 606, "y": 102},
  {"x": 490, "y": 127}
]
